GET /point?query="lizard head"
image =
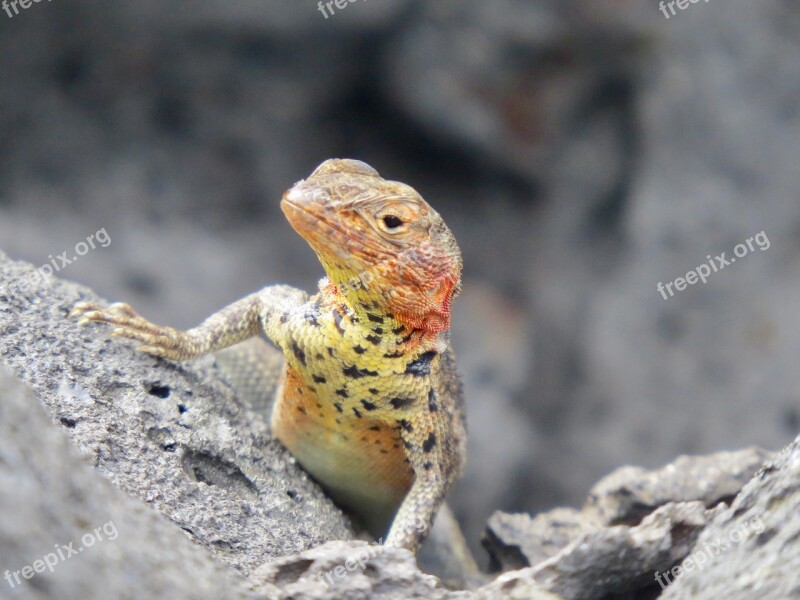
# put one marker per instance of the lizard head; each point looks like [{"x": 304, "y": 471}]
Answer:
[{"x": 379, "y": 242}]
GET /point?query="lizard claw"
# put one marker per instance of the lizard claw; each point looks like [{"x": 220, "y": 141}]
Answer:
[
  {"x": 157, "y": 341},
  {"x": 82, "y": 308}
]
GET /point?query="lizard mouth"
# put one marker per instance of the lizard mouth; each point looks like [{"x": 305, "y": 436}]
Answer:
[{"x": 307, "y": 223}]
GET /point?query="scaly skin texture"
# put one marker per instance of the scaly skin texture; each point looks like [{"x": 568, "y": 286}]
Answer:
[{"x": 369, "y": 401}]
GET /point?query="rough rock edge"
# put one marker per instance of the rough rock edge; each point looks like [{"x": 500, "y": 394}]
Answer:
[
  {"x": 630, "y": 493},
  {"x": 516, "y": 541},
  {"x": 762, "y": 560},
  {"x": 617, "y": 559}
]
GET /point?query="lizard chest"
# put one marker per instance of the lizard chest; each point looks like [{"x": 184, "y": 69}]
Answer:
[
  {"x": 359, "y": 459},
  {"x": 347, "y": 397}
]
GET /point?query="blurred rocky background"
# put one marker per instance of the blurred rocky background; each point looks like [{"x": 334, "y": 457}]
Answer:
[{"x": 582, "y": 151}]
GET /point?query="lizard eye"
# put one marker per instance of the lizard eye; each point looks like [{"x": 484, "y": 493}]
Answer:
[
  {"x": 395, "y": 219},
  {"x": 392, "y": 222}
]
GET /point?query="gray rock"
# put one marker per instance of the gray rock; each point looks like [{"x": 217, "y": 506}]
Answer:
[
  {"x": 169, "y": 434},
  {"x": 620, "y": 559},
  {"x": 749, "y": 550},
  {"x": 339, "y": 569},
  {"x": 516, "y": 541},
  {"x": 85, "y": 538},
  {"x": 630, "y": 493},
  {"x": 624, "y": 497}
]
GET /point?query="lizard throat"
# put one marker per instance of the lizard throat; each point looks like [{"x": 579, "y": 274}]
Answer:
[{"x": 426, "y": 316}]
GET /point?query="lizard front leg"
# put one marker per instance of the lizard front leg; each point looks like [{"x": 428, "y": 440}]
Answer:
[
  {"x": 266, "y": 311},
  {"x": 414, "y": 519}
]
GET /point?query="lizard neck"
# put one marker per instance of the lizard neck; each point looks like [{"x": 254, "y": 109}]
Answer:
[{"x": 415, "y": 333}]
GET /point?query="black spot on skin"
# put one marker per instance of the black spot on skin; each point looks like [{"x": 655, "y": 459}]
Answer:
[
  {"x": 428, "y": 444},
  {"x": 405, "y": 425},
  {"x": 396, "y": 354},
  {"x": 383, "y": 451},
  {"x": 319, "y": 405},
  {"x": 427, "y": 466},
  {"x": 318, "y": 379},
  {"x": 374, "y": 339},
  {"x": 398, "y": 330},
  {"x": 312, "y": 318},
  {"x": 299, "y": 391},
  {"x": 432, "y": 405},
  {"x": 338, "y": 406},
  {"x": 318, "y": 356},
  {"x": 339, "y": 422},
  {"x": 421, "y": 367},
  {"x": 405, "y": 339},
  {"x": 298, "y": 352},
  {"x": 375, "y": 428},
  {"x": 342, "y": 392},
  {"x": 377, "y": 442},
  {"x": 284, "y": 318},
  {"x": 407, "y": 445},
  {"x": 356, "y": 413},
  {"x": 331, "y": 352},
  {"x": 374, "y": 391},
  {"x": 301, "y": 409},
  {"x": 378, "y": 330},
  {"x": 359, "y": 350},
  {"x": 337, "y": 320},
  {"x": 368, "y": 405},
  {"x": 401, "y": 402},
  {"x": 356, "y": 373},
  {"x": 311, "y": 389},
  {"x": 375, "y": 318}
]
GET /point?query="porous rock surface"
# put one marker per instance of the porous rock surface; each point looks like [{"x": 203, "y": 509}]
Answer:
[{"x": 51, "y": 500}]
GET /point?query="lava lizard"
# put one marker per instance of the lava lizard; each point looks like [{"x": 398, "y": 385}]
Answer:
[{"x": 369, "y": 402}]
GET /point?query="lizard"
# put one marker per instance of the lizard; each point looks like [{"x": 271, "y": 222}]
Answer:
[{"x": 369, "y": 401}]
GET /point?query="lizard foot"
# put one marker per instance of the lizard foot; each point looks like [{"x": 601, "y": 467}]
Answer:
[{"x": 158, "y": 341}]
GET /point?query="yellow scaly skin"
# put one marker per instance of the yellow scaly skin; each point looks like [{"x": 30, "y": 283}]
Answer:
[{"x": 369, "y": 401}]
